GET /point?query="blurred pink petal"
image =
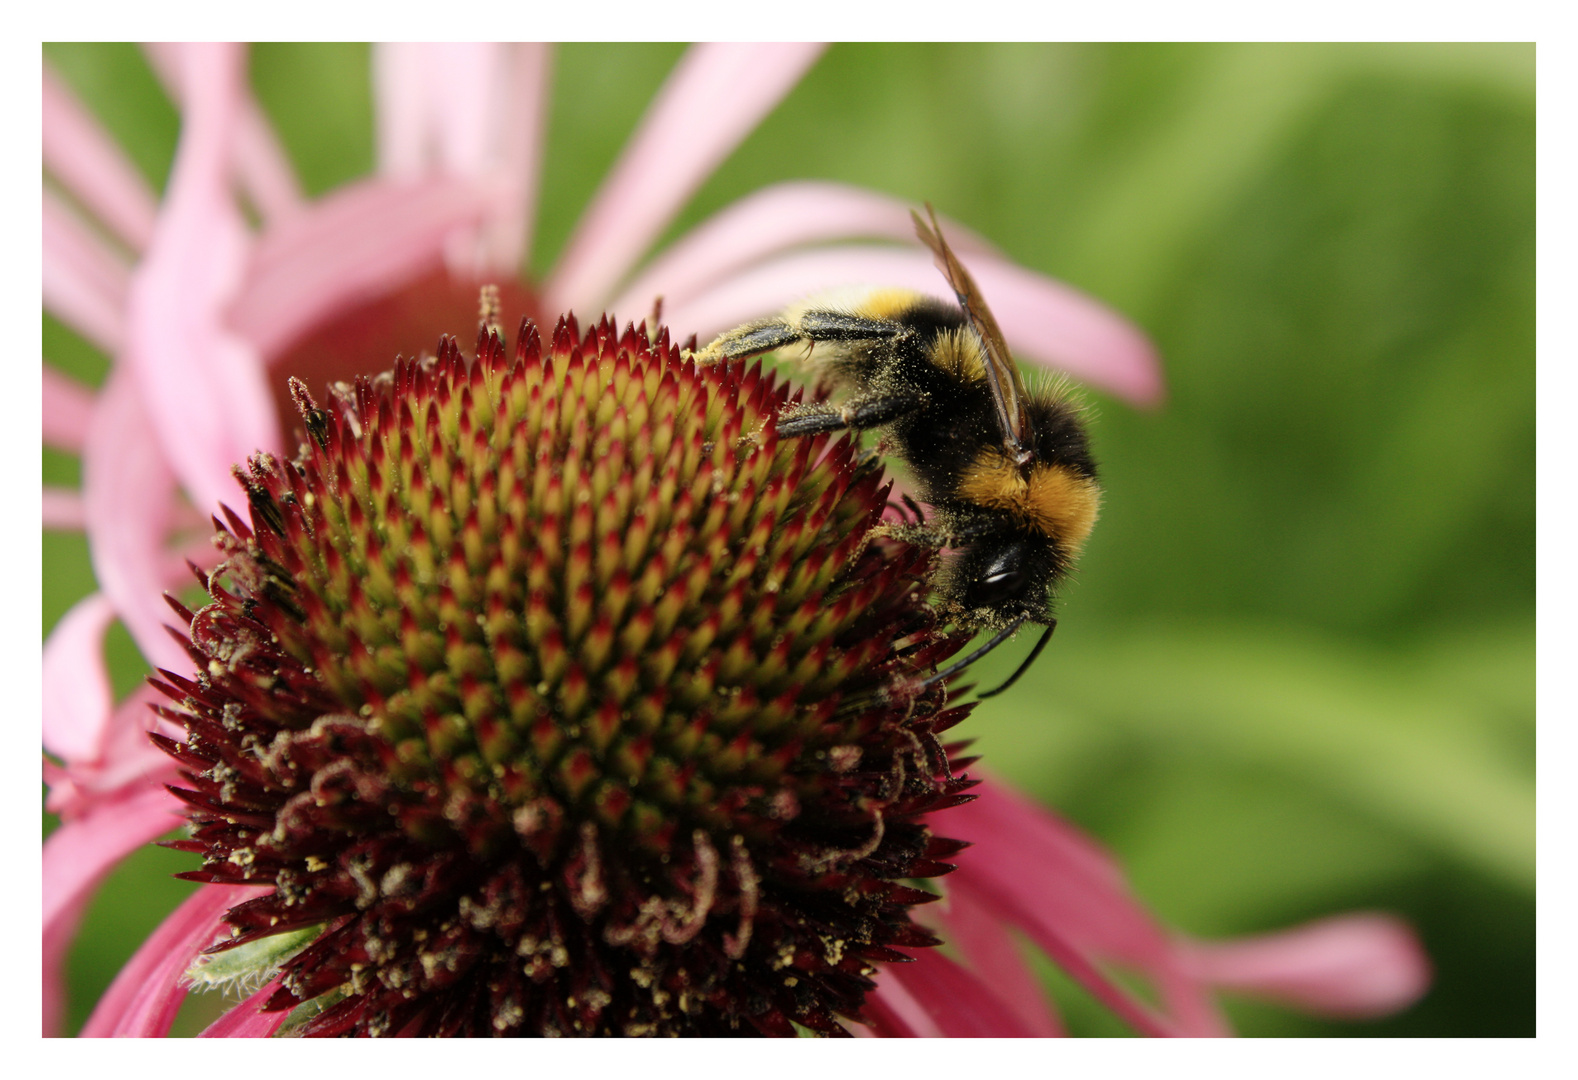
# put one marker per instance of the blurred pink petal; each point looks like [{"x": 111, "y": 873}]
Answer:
[
  {"x": 92, "y": 166},
  {"x": 261, "y": 165},
  {"x": 715, "y": 96},
  {"x": 936, "y": 997},
  {"x": 896, "y": 1013},
  {"x": 998, "y": 958},
  {"x": 770, "y": 221},
  {"x": 56, "y": 943},
  {"x": 63, "y": 509},
  {"x": 77, "y": 697},
  {"x": 266, "y": 173},
  {"x": 471, "y": 111},
  {"x": 524, "y": 127},
  {"x": 78, "y": 856},
  {"x": 122, "y": 757},
  {"x": 68, "y": 405},
  {"x": 1037, "y": 873},
  {"x": 1043, "y": 320},
  {"x": 129, "y": 492},
  {"x": 204, "y": 386},
  {"x": 402, "y": 72},
  {"x": 145, "y": 996},
  {"x": 1349, "y": 966},
  {"x": 245, "y": 1021},
  {"x": 354, "y": 245},
  {"x": 84, "y": 280}
]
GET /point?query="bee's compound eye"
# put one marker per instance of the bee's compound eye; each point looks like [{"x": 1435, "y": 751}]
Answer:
[{"x": 1002, "y": 578}]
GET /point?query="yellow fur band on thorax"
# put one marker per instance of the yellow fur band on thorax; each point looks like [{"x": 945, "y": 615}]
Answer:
[{"x": 1053, "y": 499}]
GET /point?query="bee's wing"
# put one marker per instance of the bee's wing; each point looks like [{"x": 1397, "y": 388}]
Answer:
[{"x": 1008, "y": 390}]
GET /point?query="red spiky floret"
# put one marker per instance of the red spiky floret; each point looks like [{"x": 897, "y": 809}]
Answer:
[{"x": 566, "y": 698}]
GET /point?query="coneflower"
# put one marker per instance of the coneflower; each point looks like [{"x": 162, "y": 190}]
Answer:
[{"x": 555, "y": 694}]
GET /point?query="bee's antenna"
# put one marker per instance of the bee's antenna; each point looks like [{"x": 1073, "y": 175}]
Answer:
[
  {"x": 997, "y": 639},
  {"x": 1046, "y": 636}
]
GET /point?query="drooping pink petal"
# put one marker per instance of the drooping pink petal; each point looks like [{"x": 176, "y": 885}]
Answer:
[
  {"x": 68, "y": 407},
  {"x": 53, "y": 991},
  {"x": 457, "y": 89},
  {"x": 123, "y": 758},
  {"x": 895, "y": 1012},
  {"x": 935, "y": 996},
  {"x": 993, "y": 953},
  {"x": 145, "y": 996},
  {"x": 358, "y": 243},
  {"x": 1039, "y": 874},
  {"x": 523, "y": 124},
  {"x": 77, "y": 697},
  {"x": 1043, "y": 320},
  {"x": 265, "y": 170},
  {"x": 716, "y": 95},
  {"x": 473, "y": 111},
  {"x": 79, "y": 855},
  {"x": 84, "y": 280},
  {"x": 62, "y": 509},
  {"x": 245, "y": 1021},
  {"x": 402, "y": 72},
  {"x": 1350, "y": 966},
  {"x": 770, "y": 221},
  {"x": 261, "y": 165},
  {"x": 204, "y": 386},
  {"x": 128, "y": 492},
  {"x": 79, "y": 154}
]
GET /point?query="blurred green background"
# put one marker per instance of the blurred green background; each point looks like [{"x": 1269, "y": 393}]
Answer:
[{"x": 1296, "y": 674}]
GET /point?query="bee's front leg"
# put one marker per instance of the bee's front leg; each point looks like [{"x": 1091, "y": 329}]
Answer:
[{"x": 858, "y": 413}]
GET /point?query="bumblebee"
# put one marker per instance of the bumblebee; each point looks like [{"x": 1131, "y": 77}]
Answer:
[{"x": 1008, "y": 473}]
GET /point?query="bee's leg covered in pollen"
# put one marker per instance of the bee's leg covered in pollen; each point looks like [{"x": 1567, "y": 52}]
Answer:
[{"x": 859, "y": 413}]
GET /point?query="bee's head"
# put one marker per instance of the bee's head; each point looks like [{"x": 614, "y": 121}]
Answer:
[{"x": 1003, "y": 577}]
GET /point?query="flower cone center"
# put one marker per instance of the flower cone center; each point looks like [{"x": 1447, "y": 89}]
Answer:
[{"x": 567, "y": 698}]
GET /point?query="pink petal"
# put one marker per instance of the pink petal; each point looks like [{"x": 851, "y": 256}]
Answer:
[
  {"x": 1043, "y": 320},
  {"x": 1039, "y": 874},
  {"x": 715, "y": 96},
  {"x": 998, "y": 958},
  {"x": 128, "y": 492},
  {"x": 266, "y": 173},
  {"x": 67, "y": 408},
  {"x": 767, "y": 222},
  {"x": 63, "y": 510},
  {"x": 122, "y": 758},
  {"x": 77, "y": 698},
  {"x": 360, "y": 242},
  {"x": 82, "y": 851},
  {"x": 55, "y": 945},
  {"x": 1359, "y": 965},
  {"x": 84, "y": 280},
  {"x": 79, "y": 153},
  {"x": 401, "y": 75},
  {"x": 895, "y": 1012},
  {"x": 468, "y": 111},
  {"x": 77, "y": 857},
  {"x": 145, "y": 996},
  {"x": 204, "y": 387},
  {"x": 246, "y": 1021},
  {"x": 936, "y": 997},
  {"x": 523, "y": 124},
  {"x": 466, "y": 87},
  {"x": 261, "y": 164}
]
